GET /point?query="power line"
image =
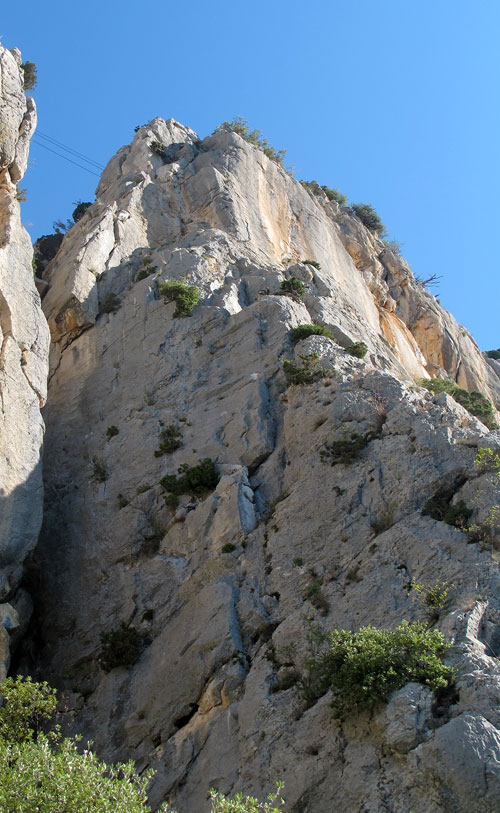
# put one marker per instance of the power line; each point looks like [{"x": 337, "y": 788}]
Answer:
[
  {"x": 66, "y": 158},
  {"x": 65, "y": 147}
]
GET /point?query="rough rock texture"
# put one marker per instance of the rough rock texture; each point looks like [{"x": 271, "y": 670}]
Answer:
[
  {"x": 218, "y": 586},
  {"x": 24, "y": 345}
]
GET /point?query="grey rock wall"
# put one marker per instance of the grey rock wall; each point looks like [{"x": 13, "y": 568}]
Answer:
[
  {"x": 24, "y": 344},
  {"x": 220, "y": 586}
]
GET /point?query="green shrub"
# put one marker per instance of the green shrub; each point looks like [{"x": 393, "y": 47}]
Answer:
[
  {"x": 120, "y": 647},
  {"x": 293, "y": 287},
  {"x": 51, "y": 774},
  {"x": 145, "y": 272},
  {"x": 474, "y": 402},
  {"x": 314, "y": 594},
  {"x": 110, "y": 304},
  {"x": 488, "y": 460},
  {"x": 440, "y": 508},
  {"x": 122, "y": 500},
  {"x": 157, "y": 146},
  {"x": 80, "y": 209},
  {"x": 334, "y": 194},
  {"x": 493, "y": 354},
  {"x": 348, "y": 449},
  {"x": 314, "y": 264},
  {"x": 111, "y": 431},
  {"x": 21, "y": 194},
  {"x": 303, "y": 331},
  {"x": 99, "y": 470},
  {"x": 184, "y": 296},
  {"x": 228, "y": 548},
  {"x": 368, "y": 217},
  {"x": 246, "y": 804},
  {"x": 170, "y": 440},
  {"x": 433, "y": 597},
  {"x": 171, "y": 501},
  {"x": 382, "y": 523},
  {"x": 26, "y": 706},
  {"x": 308, "y": 372},
  {"x": 362, "y": 668},
  {"x": 30, "y": 77},
  {"x": 240, "y": 126},
  {"x": 358, "y": 349},
  {"x": 484, "y": 531},
  {"x": 193, "y": 480}
]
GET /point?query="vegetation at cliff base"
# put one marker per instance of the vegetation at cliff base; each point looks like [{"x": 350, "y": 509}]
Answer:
[
  {"x": 362, "y": 668},
  {"x": 474, "y": 402}
]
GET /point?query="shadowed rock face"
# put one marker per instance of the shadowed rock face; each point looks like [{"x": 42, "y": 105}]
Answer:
[
  {"x": 219, "y": 586},
  {"x": 24, "y": 344}
]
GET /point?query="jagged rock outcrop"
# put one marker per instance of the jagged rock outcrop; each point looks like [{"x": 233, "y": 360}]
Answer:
[
  {"x": 220, "y": 587},
  {"x": 24, "y": 344}
]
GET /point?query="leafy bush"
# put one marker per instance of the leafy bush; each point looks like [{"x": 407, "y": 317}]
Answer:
[
  {"x": 303, "y": 331},
  {"x": 99, "y": 470},
  {"x": 440, "y": 508},
  {"x": 30, "y": 77},
  {"x": 170, "y": 440},
  {"x": 368, "y": 217},
  {"x": 474, "y": 402},
  {"x": 358, "y": 349},
  {"x": 111, "y": 431},
  {"x": 308, "y": 372},
  {"x": 488, "y": 460},
  {"x": 81, "y": 208},
  {"x": 293, "y": 287},
  {"x": 314, "y": 264},
  {"x": 348, "y": 449},
  {"x": 157, "y": 146},
  {"x": 334, "y": 194},
  {"x": 363, "y": 668},
  {"x": 193, "y": 480},
  {"x": 433, "y": 597},
  {"x": 494, "y": 354},
  {"x": 25, "y": 707},
  {"x": 246, "y": 804},
  {"x": 110, "y": 304},
  {"x": 171, "y": 501},
  {"x": 120, "y": 647},
  {"x": 49, "y": 774},
  {"x": 315, "y": 595},
  {"x": 240, "y": 126},
  {"x": 184, "y": 296},
  {"x": 484, "y": 531},
  {"x": 229, "y": 547},
  {"x": 145, "y": 272}
]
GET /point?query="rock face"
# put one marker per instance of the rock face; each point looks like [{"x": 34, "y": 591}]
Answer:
[
  {"x": 222, "y": 587},
  {"x": 24, "y": 345}
]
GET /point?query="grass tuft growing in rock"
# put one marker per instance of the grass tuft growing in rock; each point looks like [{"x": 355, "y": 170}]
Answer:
[
  {"x": 184, "y": 296},
  {"x": 303, "y": 331},
  {"x": 99, "y": 470}
]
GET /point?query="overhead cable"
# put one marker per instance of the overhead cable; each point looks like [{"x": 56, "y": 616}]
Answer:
[
  {"x": 66, "y": 158},
  {"x": 65, "y": 147}
]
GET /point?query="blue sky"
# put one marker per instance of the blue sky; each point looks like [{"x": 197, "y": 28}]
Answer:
[{"x": 394, "y": 102}]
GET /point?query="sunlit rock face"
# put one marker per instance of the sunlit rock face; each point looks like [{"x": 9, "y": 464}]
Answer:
[
  {"x": 24, "y": 345},
  {"x": 222, "y": 586}
]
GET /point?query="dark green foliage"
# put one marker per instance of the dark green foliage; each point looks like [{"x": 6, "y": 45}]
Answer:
[
  {"x": 145, "y": 272},
  {"x": 315, "y": 595},
  {"x": 171, "y": 501},
  {"x": 110, "y": 304},
  {"x": 111, "y": 432},
  {"x": 120, "y": 647},
  {"x": 308, "y": 372},
  {"x": 493, "y": 354},
  {"x": 228, "y": 547},
  {"x": 303, "y": 331},
  {"x": 81, "y": 208},
  {"x": 30, "y": 77},
  {"x": 193, "y": 480},
  {"x": 358, "y": 349},
  {"x": 293, "y": 287},
  {"x": 314, "y": 264},
  {"x": 240, "y": 126},
  {"x": 298, "y": 561},
  {"x": 45, "y": 249},
  {"x": 122, "y": 500},
  {"x": 368, "y": 217},
  {"x": 170, "y": 440},
  {"x": 348, "y": 449},
  {"x": 474, "y": 402},
  {"x": 26, "y": 706},
  {"x": 363, "y": 668},
  {"x": 99, "y": 471},
  {"x": 334, "y": 194},
  {"x": 433, "y": 597},
  {"x": 158, "y": 147},
  {"x": 184, "y": 296},
  {"x": 440, "y": 508}
]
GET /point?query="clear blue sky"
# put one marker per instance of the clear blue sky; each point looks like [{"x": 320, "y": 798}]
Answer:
[{"x": 394, "y": 102}]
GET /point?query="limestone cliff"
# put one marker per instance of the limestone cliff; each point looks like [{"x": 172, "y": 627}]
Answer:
[
  {"x": 220, "y": 587},
  {"x": 24, "y": 345}
]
